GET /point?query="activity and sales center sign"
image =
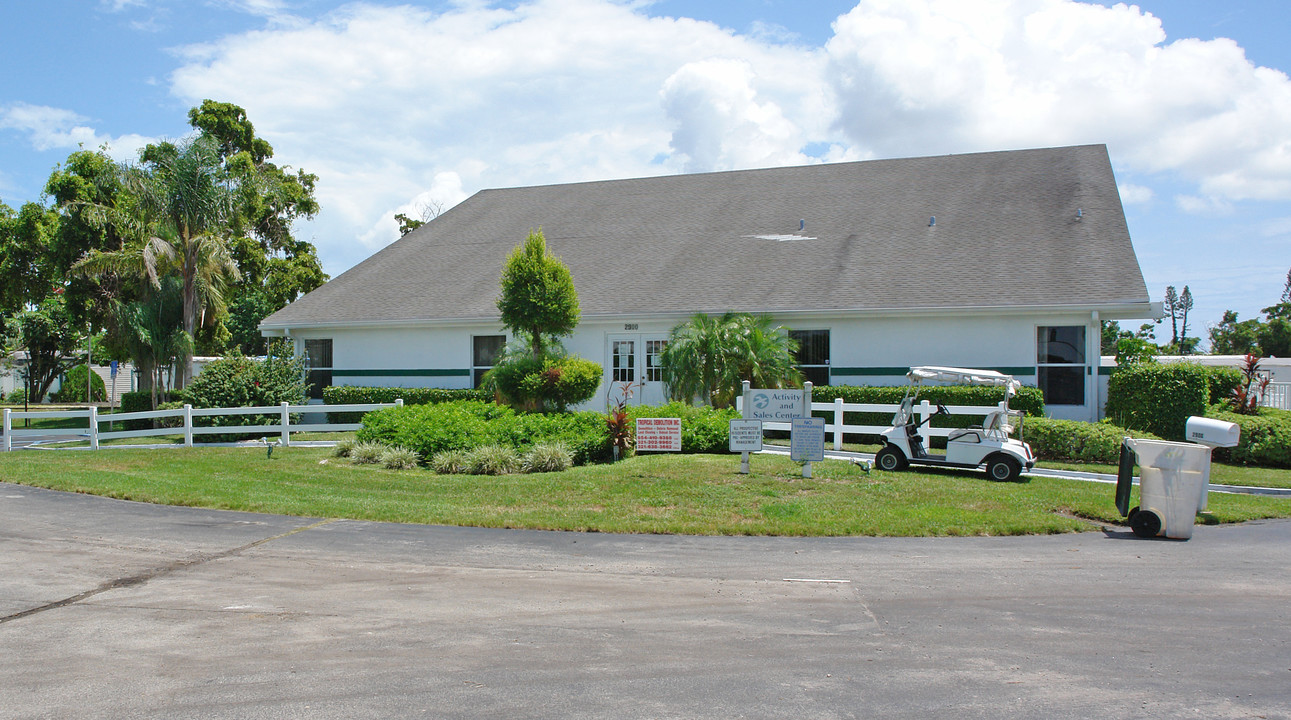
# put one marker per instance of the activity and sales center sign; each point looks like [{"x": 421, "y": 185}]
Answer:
[{"x": 776, "y": 405}]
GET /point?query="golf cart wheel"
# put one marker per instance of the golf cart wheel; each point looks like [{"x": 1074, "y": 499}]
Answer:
[
  {"x": 890, "y": 459},
  {"x": 1145, "y": 524},
  {"x": 1003, "y": 468}
]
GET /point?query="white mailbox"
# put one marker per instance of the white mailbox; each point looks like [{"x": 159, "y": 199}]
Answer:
[{"x": 1211, "y": 432}]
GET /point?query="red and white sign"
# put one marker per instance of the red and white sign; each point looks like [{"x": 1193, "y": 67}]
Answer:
[{"x": 658, "y": 434}]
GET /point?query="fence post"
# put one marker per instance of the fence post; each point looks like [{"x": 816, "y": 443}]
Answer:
[
  {"x": 398, "y": 402},
  {"x": 188, "y": 425},
  {"x": 8, "y": 430},
  {"x": 94, "y": 428},
  {"x": 838, "y": 423},
  {"x": 286, "y": 425}
]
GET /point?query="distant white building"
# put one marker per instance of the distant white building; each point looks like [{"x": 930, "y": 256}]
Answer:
[{"x": 1005, "y": 260}]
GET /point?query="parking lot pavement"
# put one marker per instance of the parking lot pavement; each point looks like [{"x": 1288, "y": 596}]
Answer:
[{"x": 117, "y": 609}]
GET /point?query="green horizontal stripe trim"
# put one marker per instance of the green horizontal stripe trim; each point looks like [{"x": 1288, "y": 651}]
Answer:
[
  {"x": 901, "y": 371},
  {"x": 428, "y": 372}
]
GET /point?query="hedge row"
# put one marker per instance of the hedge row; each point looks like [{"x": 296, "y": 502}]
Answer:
[
  {"x": 356, "y": 394},
  {"x": 1076, "y": 441},
  {"x": 703, "y": 429},
  {"x": 1159, "y": 397},
  {"x": 464, "y": 425},
  {"x": 1265, "y": 439}
]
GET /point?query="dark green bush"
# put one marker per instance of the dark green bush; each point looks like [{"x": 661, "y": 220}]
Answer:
[
  {"x": 553, "y": 382},
  {"x": 703, "y": 429},
  {"x": 72, "y": 389},
  {"x": 141, "y": 401},
  {"x": 1223, "y": 381},
  {"x": 1265, "y": 439},
  {"x": 1076, "y": 441},
  {"x": 466, "y": 425},
  {"x": 355, "y": 394},
  {"x": 1158, "y": 397}
]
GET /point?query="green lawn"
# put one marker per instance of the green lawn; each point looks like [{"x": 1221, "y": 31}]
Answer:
[{"x": 691, "y": 494}]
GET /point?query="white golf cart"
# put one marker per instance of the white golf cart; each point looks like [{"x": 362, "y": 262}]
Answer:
[{"x": 989, "y": 444}]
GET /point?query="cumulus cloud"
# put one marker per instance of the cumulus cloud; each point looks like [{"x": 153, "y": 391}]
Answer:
[
  {"x": 933, "y": 76},
  {"x": 1132, "y": 194},
  {"x": 379, "y": 101},
  {"x": 50, "y": 128}
]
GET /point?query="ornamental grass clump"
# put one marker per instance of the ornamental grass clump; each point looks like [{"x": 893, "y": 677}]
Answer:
[
  {"x": 398, "y": 458},
  {"x": 343, "y": 448},
  {"x": 493, "y": 460},
  {"x": 450, "y": 462},
  {"x": 367, "y": 453},
  {"x": 547, "y": 457}
]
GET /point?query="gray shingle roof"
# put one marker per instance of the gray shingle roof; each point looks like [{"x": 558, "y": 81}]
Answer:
[{"x": 1007, "y": 234}]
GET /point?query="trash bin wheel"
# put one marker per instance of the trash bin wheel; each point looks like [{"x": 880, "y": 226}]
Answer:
[
  {"x": 1133, "y": 511},
  {"x": 1145, "y": 523},
  {"x": 1003, "y": 468},
  {"x": 890, "y": 459}
]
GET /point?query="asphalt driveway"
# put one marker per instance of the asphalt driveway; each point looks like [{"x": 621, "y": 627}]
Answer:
[{"x": 123, "y": 610}]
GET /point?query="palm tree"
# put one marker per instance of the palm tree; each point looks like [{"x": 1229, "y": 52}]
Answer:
[
  {"x": 181, "y": 206},
  {"x": 707, "y": 358}
]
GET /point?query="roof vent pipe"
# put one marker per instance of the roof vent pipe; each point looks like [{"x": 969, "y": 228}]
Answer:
[
  {"x": 1080, "y": 213},
  {"x": 802, "y": 225},
  {"x": 932, "y": 221}
]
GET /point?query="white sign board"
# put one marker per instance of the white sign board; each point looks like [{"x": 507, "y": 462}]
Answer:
[
  {"x": 658, "y": 435},
  {"x": 746, "y": 436},
  {"x": 775, "y": 405},
  {"x": 807, "y": 439}
]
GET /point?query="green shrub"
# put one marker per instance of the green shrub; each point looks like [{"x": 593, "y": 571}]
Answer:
[
  {"x": 450, "y": 462},
  {"x": 17, "y": 397},
  {"x": 465, "y": 425},
  {"x": 343, "y": 448},
  {"x": 397, "y": 458},
  {"x": 170, "y": 421},
  {"x": 367, "y": 453},
  {"x": 547, "y": 457},
  {"x": 553, "y": 382},
  {"x": 355, "y": 394},
  {"x": 1223, "y": 381},
  {"x": 1158, "y": 397},
  {"x": 493, "y": 460},
  {"x": 703, "y": 429},
  {"x": 1265, "y": 439},
  {"x": 72, "y": 389},
  {"x": 238, "y": 381},
  {"x": 1076, "y": 441}
]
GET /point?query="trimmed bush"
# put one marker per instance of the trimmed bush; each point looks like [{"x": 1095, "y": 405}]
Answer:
[
  {"x": 1076, "y": 441},
  {"x": 239, "y": 381},
  {"x": 547, "y": 457},
  {"x": 493, "y": 460},
  {"x": 1158, "y": 397},
  {"x": 1223, "y": 381},
  {"x": 356, "y": 394},
  {"x": 550, "y": 383},
  {"x": 703, "y": 429},
  {"x": 1265, "y": 440},
  {"x": 72, "y": 389}
]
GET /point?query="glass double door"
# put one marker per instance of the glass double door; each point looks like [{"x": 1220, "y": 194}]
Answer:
[{"x": 632, "y": 363}]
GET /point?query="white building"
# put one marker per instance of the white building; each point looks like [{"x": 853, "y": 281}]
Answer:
[{"x": 1004, "y": 260}]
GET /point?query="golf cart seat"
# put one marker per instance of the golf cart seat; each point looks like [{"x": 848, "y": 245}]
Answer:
[
  {"x": 969, "y": 434},
  {"x": 915, "y": 440}
]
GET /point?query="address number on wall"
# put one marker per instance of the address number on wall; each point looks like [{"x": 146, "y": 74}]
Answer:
[{"x": 631, "y": 326}]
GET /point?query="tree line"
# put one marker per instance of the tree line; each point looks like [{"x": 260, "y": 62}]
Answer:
[{"x": 180, "y": 252}]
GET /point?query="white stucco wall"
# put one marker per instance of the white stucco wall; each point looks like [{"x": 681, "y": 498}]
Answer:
[{"x": 863, "y": 351}]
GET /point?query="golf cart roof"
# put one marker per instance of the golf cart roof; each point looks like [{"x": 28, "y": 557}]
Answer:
[{"x": 964, "y": 376}]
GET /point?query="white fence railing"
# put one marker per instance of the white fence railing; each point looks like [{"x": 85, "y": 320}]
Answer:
[
  {"x": 92, "y": 432},
  {"x": 1278, "y": 395},
  {"x": 838, "y": 428}
]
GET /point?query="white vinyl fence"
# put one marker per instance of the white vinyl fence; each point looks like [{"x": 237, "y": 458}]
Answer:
[
  {"x": 1278, "y": 395},
  {"x": 838, "y": 428},
  {"x": 94, "y": 420}
]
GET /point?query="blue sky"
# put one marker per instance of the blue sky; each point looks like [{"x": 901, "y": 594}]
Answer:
[{"x": 401, "y": 106}]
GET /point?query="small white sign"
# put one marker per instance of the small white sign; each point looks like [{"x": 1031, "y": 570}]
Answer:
[
  {"x": 658, "y": 435},
  {"x": 807, "y": 439},
  {"x": 775, "y": 405},
  {"x": 746, "y": 436}
]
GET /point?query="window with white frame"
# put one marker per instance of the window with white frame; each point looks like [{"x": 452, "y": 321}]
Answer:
[{"x": 1060, "y": 364}]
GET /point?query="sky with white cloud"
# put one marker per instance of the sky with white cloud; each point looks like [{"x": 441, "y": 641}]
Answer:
[{"x": 399, "y": 106}]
